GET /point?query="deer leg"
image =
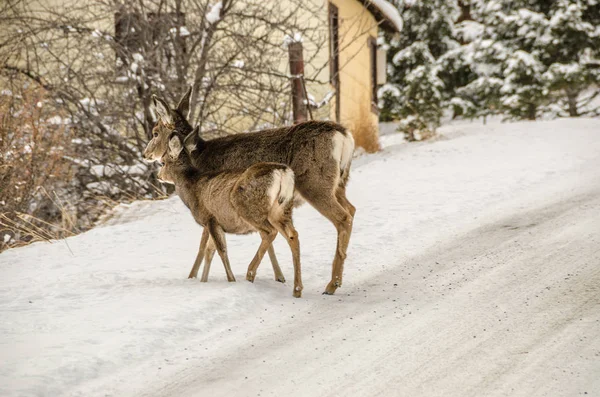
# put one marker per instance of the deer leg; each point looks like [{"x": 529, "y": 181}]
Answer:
[
  {"x": 267, "y": 235},
  {"x": 340, "y": 195},
  {"x": 200, "y": 255},
  {"x": 331, "y": 209},
  {"x": 208, "y": 257},
  {"x": 288, "y": 231},
  {"x": 218, "y": 237},
  {"x": 276, "y": 269}
]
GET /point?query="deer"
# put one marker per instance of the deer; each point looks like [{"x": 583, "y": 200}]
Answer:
[
  {"x": 256, "y": 199},
  {"x": 318, "y": 152}
]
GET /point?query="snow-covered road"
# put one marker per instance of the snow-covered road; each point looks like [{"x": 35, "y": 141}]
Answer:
[{"x": 474, "y": 269}]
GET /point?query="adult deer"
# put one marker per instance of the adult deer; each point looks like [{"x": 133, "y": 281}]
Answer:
[
  {"x": 319, "y": 153},
  {"x": 258, "y": 199}
]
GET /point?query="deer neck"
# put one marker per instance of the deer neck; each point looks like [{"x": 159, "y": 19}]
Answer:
[{"x": 185, "y": 178}]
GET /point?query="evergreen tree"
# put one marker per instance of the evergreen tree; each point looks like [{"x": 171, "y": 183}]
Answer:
[
  {"x": 415, "y": 91},
  {"x": 531, "y": 56},
  {"x": 573, "y": 27}
]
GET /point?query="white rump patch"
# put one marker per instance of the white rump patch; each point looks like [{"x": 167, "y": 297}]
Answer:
[
  {"x": 343, "y": 148},
  {"x": 287, "y": 186},
  {"x": 282, "y": 188}
]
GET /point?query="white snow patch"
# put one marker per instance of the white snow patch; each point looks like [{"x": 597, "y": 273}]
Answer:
[
  {"x": 137, "y": 57},
  {"x": 214, "y": 14},
  {"x": 292, "y": 38},
  {"x": 183, "y": 31},
  {"x": 388, "y": 88},
  {"x": 469, "y": 30},
  {"x": 55, "y": 120},
  {"x": 390, "y": 12}
]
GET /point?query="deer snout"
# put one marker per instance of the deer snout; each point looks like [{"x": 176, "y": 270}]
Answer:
[{"x": 149, "y": 155}]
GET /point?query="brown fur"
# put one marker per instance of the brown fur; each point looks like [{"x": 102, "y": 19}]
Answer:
[
  {"x": 238, "y": 202},
  {"x": 305, "y": 147}
]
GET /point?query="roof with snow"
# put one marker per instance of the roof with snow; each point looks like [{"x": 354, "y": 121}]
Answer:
[{"x": 385, "y": 13}]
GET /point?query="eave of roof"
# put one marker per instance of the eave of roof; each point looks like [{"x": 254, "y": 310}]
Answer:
[{"x": 385, "y": 14}]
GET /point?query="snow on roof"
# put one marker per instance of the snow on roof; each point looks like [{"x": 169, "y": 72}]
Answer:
[{"x": 388, "y": 11}]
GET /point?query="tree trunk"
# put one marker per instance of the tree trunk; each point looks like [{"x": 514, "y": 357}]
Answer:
[
  {"x": 572, "y": 101},
  {"x": 531, "y": 111}
]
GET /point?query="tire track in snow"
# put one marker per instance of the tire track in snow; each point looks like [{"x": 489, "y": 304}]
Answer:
[{"x": 511, "y": 308}]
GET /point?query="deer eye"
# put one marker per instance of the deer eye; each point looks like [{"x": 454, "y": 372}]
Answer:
[{"x": 155, "y": 134}]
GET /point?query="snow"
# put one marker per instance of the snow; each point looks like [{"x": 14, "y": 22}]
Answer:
[
  {"x": 318, "y": 105},
  {"x": 469, "y": 30},
  {"x": 238, "y": 63},
  {"x": 388, "y": 88},
  {"x": 137, "y": 57},
  {"x": 183, "y": 31},
  {"x": 55, "y": 120},
  {"x": 390, "y": 13},
  {"x": 292, "y": 38},
  {"x": 472, "y": 270},
  {"x": 109, "y": 170},
  {"x": 214, "y": 14}
]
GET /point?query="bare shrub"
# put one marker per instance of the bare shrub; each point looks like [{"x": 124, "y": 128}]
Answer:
[{"x": 32, "y": 167}]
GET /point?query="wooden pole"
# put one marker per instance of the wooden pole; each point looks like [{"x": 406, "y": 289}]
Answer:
[
  {"x": 299, "y": 99},
  {"x": 306, "y": 96}
]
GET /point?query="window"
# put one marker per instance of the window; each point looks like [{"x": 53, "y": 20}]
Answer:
[{"x": 334, "y": 59}]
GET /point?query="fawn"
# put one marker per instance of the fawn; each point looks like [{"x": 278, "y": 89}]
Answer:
[{"x": 256, "y": 199}]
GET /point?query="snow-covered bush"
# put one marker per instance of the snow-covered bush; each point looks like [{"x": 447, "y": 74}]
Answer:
[
  {"x": 517, "y": 58},
  {"x": 543, "y": 53},
  {"x": 415, "y": 92}
]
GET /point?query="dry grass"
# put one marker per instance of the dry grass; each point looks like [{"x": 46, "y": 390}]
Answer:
[{"x": 366, "y": 133}]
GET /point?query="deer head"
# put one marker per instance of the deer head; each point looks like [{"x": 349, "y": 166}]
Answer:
[
  {"x": 175, "y": 158},
  {"x": 170, "y": 122}
]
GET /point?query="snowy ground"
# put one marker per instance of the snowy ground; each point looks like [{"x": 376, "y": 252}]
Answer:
[{"x": 473, "y": 270}]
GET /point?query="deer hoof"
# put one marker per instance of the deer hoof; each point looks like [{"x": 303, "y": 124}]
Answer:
[
  {"x": 250, "y": 277},
  {"x": 297, "y": 294},
  {"x": 280, "y": 279},
  {"x": 330, "y": 289}
]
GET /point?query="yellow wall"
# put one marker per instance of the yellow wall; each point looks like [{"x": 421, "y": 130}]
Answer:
[{"x": 356, "y": 26}]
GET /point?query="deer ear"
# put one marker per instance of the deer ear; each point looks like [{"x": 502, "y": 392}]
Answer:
[
  {"x": 184, "y": 103},
  {"x": 191, "y": 140},
  {"x": 162, "y": 109},
  {"x": 175, "y": 147}
]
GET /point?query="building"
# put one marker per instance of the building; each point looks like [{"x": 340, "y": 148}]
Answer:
[
  {"x": 120, "y": 53},
  {"x": 357, "y": 66}
]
